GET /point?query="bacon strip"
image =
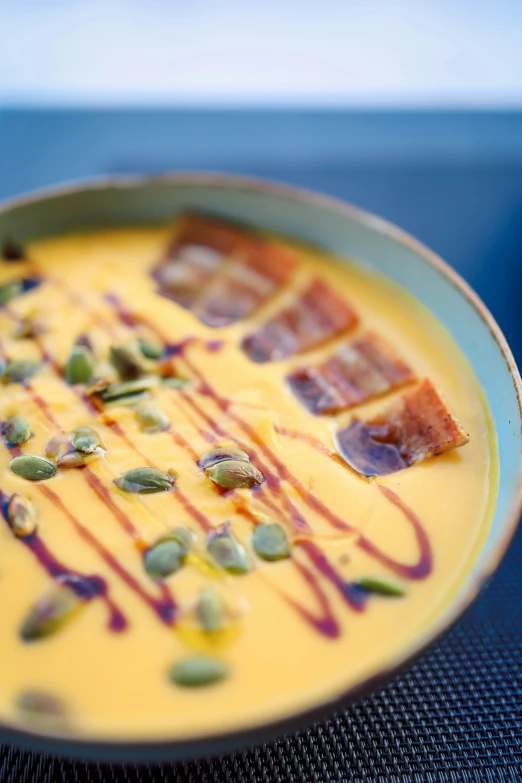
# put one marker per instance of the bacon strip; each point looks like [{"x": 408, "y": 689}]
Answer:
[
  {"x": 360, "y": 371},
  {"x": 416, "y": 426},
  {"x": 245, "y": 284},
  {"x": 221, "y": 271},
  {"x": 315, "y": 316},
  {"x": 192, "y": 260}
]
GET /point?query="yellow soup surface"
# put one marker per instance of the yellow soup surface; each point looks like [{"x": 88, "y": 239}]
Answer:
[{"x": 295, "y": 632}]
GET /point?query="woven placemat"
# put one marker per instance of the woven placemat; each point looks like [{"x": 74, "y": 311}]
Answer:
[{"x": 455, "y": 716}]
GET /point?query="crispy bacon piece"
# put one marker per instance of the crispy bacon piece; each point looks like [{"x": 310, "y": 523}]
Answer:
[
  {"x": 315, "y": 316},
  {"x": 416, "y": 426},
  {"x": 221, "y": 271},
  {"x": 245, "y": 283},
  {"x": 359, "y": 371},
  {"x": 191, "y": 261}
]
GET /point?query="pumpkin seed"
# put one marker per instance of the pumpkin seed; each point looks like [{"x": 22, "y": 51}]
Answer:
[
  {"x": 163, "y": 559},
  {"x": 75, "y": 459},
  {"x": 55, "y": 446},
  {"x": 97, "y": 386},
  {"x": 150, "y": 348},
  {"x": 40, "y": 705},
  {"x": 228, "y": 553},
  {"x": 381, "y": 585},
  {"x": 234, "y": 474},
  {"x": 222, "y": 454},
  {"x": 21, "y": 370},
  {"x": 127, "y": 361},
  {"x": 270, "y": 541},
  {"x": 9, "y": 290},
  {"x": 85, "y": 439},
  {"x": 80, "y": 365},
  {"x": 145, "y": 481},
  {"x": 117, "y": 391},
  {"x": 182, "y": 535},
  {"x": 33, "y": 467},
  {"x": 198, "y": 670},
  {"x": 151, "y": 418},
  {"x": 175, "y": 382},
  {"x": 50, "y": 614},
  {"x": 210, "y": 610},
  {"x": 17, "y": 429},
  {"x": 129, "y": 401},
  {"x": 21, "y": 515}
]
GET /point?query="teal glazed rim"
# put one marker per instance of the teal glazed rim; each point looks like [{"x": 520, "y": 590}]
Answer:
[{"x": 344, "y": 230}]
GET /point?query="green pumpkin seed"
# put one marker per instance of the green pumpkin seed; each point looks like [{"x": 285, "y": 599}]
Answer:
[
  {"x": 38, "y": 704},
  {"x": 150, "y": 348},
  {"x": 9, "y": 290},
  {"x": 210, "y": 610},
  {"x": 96, "y": 387},
  {"x": 55, "y": 446},
  {"x": 75, "y": 459},
  {"x": 21, "y": 515},
  {"x": 270, "y": 541},
  {"x": 17, "y": 429},
  {"x": 21, "y": 370},
  {"x": 151, "y": 418},
  {"x": 80, "y": 365},
  {"x": 175, "y": 382},
  {"x": 198, "y": 670},
  {"x": 145, "y": 481},
  {"x": 234, "y": 474},
  {"x": 33, "y": 467},
  {"x": 127, "y": 361},
  {"x": 182, "y": 535},
  {"x": 50, "y": 614},
  {"x": 163, "y": 559},
  {"x": 228, "y": 553},
  {"x": 117, "y": 391},
  {"x": 128, "y": 401},
  {"x": 381, "y": 585},
  {"x": 85, "y": 439},
  {"x": 222, "y": 454}
]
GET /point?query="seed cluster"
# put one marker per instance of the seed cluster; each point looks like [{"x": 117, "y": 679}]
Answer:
[{"x": 62, "y": 452}]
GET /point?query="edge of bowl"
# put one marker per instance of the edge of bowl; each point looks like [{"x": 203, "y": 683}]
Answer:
[{"x": 179, "y": 749}]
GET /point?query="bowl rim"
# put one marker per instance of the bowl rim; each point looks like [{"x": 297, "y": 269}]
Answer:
[{"x": 189, "y": 748}]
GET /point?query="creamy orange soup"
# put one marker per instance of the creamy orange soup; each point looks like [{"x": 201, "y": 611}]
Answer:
[{"x": 363, "y": 562}]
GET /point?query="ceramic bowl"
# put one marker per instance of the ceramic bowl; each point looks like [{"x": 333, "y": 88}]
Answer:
[{"x": 345, "y": 231}]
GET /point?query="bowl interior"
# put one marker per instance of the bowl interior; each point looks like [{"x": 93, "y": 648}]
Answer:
[
  {"x": 334, "y": 227},
  {"x": 343, "y": 231}
]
